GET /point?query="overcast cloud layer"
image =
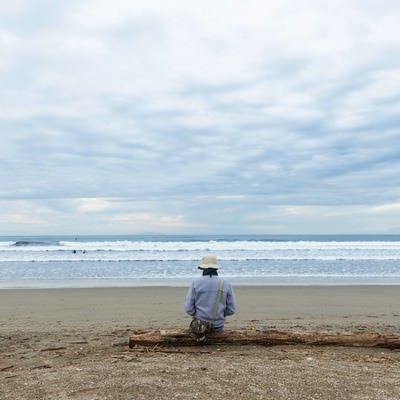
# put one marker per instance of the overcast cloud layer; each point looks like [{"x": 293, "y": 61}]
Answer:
[{"x": 199, "y": 116}]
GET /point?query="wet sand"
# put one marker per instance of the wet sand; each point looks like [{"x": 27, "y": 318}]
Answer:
[
  {"x": 72, "y": 344},
  {"x": 162, "y": 307}
]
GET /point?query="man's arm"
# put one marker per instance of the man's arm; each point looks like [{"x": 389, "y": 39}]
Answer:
[
  {"x": 230, "y": 302},
  {"x": 190, "y": 306}
]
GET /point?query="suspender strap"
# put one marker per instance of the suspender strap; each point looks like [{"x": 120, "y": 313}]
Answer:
[{"x": 218, "y": 298}]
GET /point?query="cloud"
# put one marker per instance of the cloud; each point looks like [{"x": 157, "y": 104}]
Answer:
[
  {"x": 198, "y": 110},
  {"x": 92, "y": 205},
  {"x": 24, "y": 213},
  {"x": 386, "y": 208},
  {"x": 147, "y": 223},
  {"x": 21, "y": 219}
]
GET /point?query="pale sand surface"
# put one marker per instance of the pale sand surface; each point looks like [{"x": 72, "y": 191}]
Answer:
[
  {"x": 162, "y": 307},
  {"x": 72, "y": 344}
]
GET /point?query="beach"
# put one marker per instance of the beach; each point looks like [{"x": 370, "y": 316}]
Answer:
[{"x": 72, "y": 344}]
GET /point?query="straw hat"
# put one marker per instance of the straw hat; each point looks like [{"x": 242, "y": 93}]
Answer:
[{"x": 209, "y": 262}]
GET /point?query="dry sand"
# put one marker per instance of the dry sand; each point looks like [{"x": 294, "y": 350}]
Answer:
[{"x": 72, "y": 344}]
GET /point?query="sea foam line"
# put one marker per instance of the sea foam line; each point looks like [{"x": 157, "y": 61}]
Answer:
[{"x": 202, "y": 246}]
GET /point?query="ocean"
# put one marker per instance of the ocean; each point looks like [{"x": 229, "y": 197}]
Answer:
[{"x": 172, "y": 260}]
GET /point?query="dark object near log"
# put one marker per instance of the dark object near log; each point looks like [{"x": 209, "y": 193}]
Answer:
[
  {"x": 266, "y": 337},
  {"x": 54, "y": 348}
]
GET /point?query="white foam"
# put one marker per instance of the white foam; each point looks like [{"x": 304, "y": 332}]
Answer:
[{"x": 186, "y": 251}]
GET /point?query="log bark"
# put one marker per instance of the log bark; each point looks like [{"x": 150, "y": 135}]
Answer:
[{"x": 266, "y": 337}]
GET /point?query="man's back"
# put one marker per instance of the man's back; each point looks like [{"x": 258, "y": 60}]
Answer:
[{"x": 202, "y": 296}]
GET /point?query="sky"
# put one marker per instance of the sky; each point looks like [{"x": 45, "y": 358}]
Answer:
[{"x": 175, "y": 117}]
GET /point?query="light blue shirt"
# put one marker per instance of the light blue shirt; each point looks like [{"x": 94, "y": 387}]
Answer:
[{"x": 201, "y": 296}]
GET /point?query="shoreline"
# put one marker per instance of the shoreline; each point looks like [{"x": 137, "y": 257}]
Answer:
[{"x": 182, "y": 283}]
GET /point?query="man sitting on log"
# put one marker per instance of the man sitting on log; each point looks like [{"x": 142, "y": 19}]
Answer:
[{"x": 209, "y": 300}]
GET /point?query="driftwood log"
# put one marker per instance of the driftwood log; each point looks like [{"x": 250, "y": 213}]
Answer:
[{"x": 266, "y": 337}]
